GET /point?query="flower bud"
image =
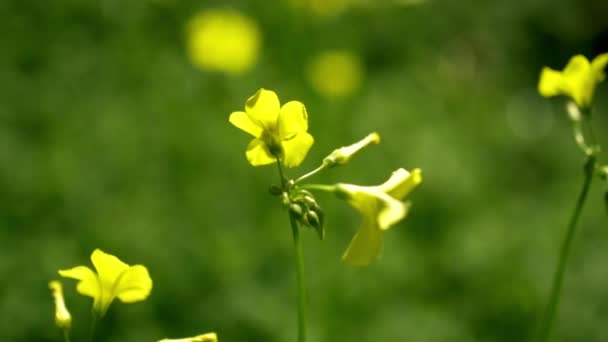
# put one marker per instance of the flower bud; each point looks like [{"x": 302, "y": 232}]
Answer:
[
  {"x": 296, "y": 209},
  {"x": 343, "y": 155},
  {"x": 63, "y": 319},
  {"x": 209, "y": 337},
  {"x": 275, "y": 190}
]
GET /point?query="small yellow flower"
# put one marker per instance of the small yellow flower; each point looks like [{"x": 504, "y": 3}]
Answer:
[
  {"x": 381, "y": 207},
  {"x": 335, "y": 73},
  {"x": 223, "y": 40},
  {"x": 209, "y": 337},
  {"x": 113, "y": 279},
  {"x": 578, "y": 80},
  {"x": 278, "y": 131},
  {"x": 63, "y": 319}
]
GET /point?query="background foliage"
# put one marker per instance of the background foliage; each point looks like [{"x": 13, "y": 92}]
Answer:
[{"x": 110, "y": 138}]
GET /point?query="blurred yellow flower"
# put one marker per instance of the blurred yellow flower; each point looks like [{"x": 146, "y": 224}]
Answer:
[
  {"x": 223, "y": 40},
  {"x": 63, "y": 319},
  {"x": 278, "y": 131},
  {"x": 381, "y": 207},
  {"x": 578, "y": 80},
  {"x": 336, "y": 73},
  {"x": 113, "y": 279},
  {"x": 209, "y": 337}
]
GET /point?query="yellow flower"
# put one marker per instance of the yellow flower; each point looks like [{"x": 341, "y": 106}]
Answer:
[
  {"x": 578, "y": 80},
  {"x": 381, "y": 207},
  {"x": 63, "y": 319},
  {"x": 223, "y": 40},
  {"x": 278, "y": 131},
  {"x": 210, "y": 337},
  {"x": 113, "y": 279},
  {"x": 335, "y": 73}
]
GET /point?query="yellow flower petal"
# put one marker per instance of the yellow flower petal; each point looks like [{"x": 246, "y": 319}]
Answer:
[
  {"x": 209, "y": 337},
  {"x": 88, "y": 284},
  {"x": 597, "y": 66},
  {"x": 365, "y": 246},
  {"x": 551, "y": 83},
  {"x": 293, "y": 119},
  {"x": 401, "y": 183},
  {"x": 264, "y": 107},
  {"x": 242, "y": 121},
  {"x": 108, "y": 267},
  {"x": 258, "y": 154},
  {"x": 134, "y": 284},
  {"x": 391, "y": 212},
  {"x": 296, "y": 149}
]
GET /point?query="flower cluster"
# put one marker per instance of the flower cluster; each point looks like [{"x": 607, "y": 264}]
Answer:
[{"x": 280, "y": 134}]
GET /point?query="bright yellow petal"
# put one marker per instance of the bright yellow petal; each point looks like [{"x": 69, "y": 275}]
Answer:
[
  {"x": 258, "y": 154},
  {"x": 296, "y": 149},
  {"x": 551, "y": 83},
  {"x": 365, "y": 246},
  {"x": 597, "y": 66},
  {"x": 293, "y": 119},
  {"x": 134, "y": 284},
  {"x": 264, "y": 107},
  {"x": 242, "y": 121},
  {"x": 580, "y": 80},
  {"x": 401, "y": 183},
  {"x": 88, "y": 284},
  {"x": 108, "y": 267},
  {"x": 390, "y": 212}
]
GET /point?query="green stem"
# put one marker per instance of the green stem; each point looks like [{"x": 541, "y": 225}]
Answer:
[
  {"x": 299, "y": 260},
  {"x": 312, "y": 173},
  {"x": 320, "y": 187},
  {"x": 551, "y": 309},
  {"x": 93, "y": 326},
  {"x": 66, "y": 335}
]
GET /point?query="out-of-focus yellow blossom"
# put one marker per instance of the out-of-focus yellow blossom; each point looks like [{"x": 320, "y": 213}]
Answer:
[
  {"x": 63, "y": 319},
  {"x": 322, "y": 7},
  {"x": 278, "y": 131},
  {"x": 343, "y": 155},
  {"x": 578, "y": 80},
  {"x": 113, "y": 279},
  {"x": 223, "y": 40},
  {"x": 336, "y": 73},
  {"x": 381, "y": 207},
  {"x": 209, "y": 337}
]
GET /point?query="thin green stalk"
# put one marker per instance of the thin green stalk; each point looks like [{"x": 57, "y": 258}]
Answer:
[
  {"x": 551, "y": 309},
  {"x": 93, "y": 326},
  {"x": 312, "y": 173},
  {"x": 299, "y": 260},
  {"x": 320, "y": 187},
  {"x": 66, "y": 335},
  {"x": 299, "y": 263}
]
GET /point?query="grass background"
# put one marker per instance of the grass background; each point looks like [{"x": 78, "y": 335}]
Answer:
[{"x": 111, "y": 139}]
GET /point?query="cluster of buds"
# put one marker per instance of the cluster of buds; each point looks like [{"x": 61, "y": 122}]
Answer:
[{"x": 302, "y": 206}]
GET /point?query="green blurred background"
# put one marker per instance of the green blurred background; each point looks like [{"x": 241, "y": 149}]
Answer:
[{"x": 110, "y": 138}]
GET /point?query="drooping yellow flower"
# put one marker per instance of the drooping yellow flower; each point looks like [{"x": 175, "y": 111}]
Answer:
[
  {"x": 114, "y": 279},
  {"x": 335, "y": 73},
  {"x": 63, "y": 319},
  {"x": 209, "y": 337},
  {"x": 381, "y": 207},
  {"x": 578, "y": 80},
  {"x": 223, "y": 40},
  {"x": 278, "y": 131}
]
